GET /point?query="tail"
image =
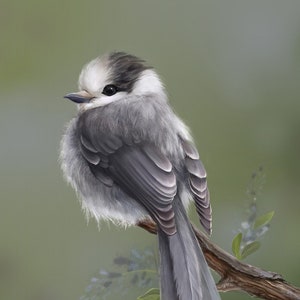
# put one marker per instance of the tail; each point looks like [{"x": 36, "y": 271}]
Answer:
[{"x": 184, "y": 272}]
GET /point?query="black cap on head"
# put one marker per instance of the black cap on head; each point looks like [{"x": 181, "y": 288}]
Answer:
[{"x": 125, "y": 69}]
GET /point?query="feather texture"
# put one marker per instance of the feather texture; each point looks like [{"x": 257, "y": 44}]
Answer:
[
  {"x": 198, "y": 184},
  {"x": 130, "y": 157},
  {"x": 139, "y": 169}
]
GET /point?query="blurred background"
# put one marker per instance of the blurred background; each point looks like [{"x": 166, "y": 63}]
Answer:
[{"x": 232, "y": 72}]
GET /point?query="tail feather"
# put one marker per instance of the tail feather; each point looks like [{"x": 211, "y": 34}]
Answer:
[
  {"x": 184, "y": 271},
  {"x": 167, "y": 283}
]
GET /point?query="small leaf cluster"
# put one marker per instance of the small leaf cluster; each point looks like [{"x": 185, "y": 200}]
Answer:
[
  {"x": 128, "y": 278},
  {"x": 246, "y": 241}
]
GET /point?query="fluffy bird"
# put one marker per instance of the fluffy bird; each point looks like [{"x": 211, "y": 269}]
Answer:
[{"x": 129, "y": 158}]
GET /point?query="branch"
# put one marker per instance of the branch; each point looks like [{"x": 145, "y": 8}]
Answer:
[{"x": 236, "y": 275}]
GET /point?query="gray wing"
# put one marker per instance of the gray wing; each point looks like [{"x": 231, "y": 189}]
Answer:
[
  {"x": 198, "y": 184},
  {"x": 138, "y": 169}
]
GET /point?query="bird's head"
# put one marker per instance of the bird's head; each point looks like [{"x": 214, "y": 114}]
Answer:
[{"x": 113, "y": 77}]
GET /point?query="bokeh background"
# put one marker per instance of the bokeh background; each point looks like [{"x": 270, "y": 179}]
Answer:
[{"x": 232, "y": 71}]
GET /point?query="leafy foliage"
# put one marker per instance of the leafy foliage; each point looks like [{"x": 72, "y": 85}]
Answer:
[
  {"x": 236, "y": 245},
  {"x": 246, "y": 241},
  {"x": 152, "y": 294},
  {"x": 263, "y": 220},
  {"x": 130, "y": 277}
]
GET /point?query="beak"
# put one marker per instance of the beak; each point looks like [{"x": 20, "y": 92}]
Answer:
[{"x": 79, "y": 97}]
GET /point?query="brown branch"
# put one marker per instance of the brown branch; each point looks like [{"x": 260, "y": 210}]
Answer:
[{"x": 236, "y": 275}]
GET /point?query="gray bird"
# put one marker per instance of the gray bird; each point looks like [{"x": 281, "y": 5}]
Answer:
[{"x": 130, "y": 158}]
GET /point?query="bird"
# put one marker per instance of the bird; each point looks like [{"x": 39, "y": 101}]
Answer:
[{"x": 130, "y": 158}]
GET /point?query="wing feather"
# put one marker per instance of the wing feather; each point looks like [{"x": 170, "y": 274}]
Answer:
[
  {"x": 198, "y": 184},
  {"x": 87, "y": 144},
  {"x": 138, "y": 169},
  {"x": 89, "y": 155},
  {"x": 140, "y": 176}
]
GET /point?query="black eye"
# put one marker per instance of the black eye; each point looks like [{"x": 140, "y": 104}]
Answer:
[{"x": 110, "y": 90}]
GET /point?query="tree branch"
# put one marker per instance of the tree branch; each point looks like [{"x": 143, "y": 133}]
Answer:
[{"x": 236, "y": 275}]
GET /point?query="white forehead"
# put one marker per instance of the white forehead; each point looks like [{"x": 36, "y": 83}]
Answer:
[{"x": 94, "y": 75}]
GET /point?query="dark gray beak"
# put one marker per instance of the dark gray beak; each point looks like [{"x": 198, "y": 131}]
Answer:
[{"x": 80, "y": 97}]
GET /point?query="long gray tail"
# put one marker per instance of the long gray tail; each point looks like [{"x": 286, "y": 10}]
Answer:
[{"x": 184, "y": 272}]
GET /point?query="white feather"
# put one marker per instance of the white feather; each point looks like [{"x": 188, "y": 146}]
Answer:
[{"x": 148, "y": 83}]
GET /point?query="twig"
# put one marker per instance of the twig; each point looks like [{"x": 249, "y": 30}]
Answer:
[{"x": 236, "y": 275}]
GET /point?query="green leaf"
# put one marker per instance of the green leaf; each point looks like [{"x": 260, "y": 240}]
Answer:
[
  {"x": 236, "y": 245},
  {"x": 249, "y": 249},
  {"x": 263, "y": 220},
  {"x": 152, "y": 294}
]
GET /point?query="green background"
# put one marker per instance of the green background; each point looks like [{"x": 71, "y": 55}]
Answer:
[{"x": 232, "y": 72}]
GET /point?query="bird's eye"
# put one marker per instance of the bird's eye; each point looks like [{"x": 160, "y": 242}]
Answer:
[{"x": 110, "y": 90}]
